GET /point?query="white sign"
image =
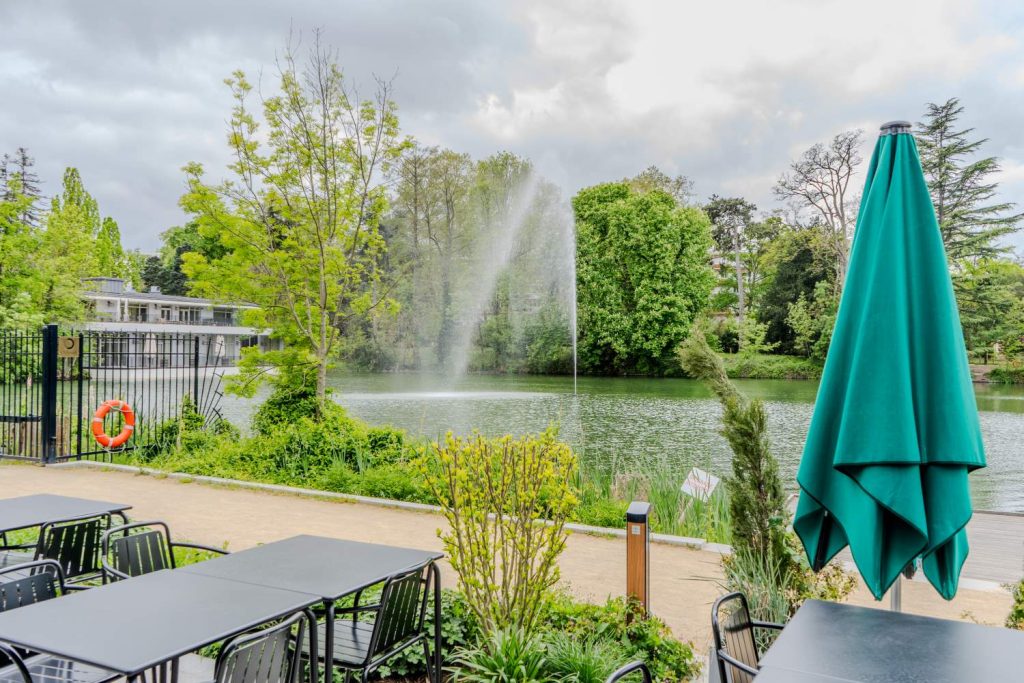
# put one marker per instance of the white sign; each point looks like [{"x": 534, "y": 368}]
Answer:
[{"x": 699, "y": 484}]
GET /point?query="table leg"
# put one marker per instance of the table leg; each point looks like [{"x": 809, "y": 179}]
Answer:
[
  {"x": 314, "y": 651},
  {"x": 329, "y": 644}
]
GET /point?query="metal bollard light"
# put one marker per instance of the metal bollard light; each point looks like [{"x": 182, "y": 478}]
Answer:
[{"x": 638, "y": 546}]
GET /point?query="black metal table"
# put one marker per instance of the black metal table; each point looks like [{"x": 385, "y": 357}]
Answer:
[
  {"x": 831, "y": 642},
  {"x": 25, "y": 512},
  {"x": 132, "y": 626},
  {"x": 328, "y": 567}
]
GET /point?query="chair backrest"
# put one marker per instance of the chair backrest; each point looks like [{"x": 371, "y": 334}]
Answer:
[
  {"x": 136, "y": 549},
  {"x": 734, "y": 634},
  {"x": 632, "y": 668},
  {"x": 74, "y": 544},
  {"x": 271, "y": 655},
  {"x": 403, "y": 608},
  {"x": 29, "y": 583}
]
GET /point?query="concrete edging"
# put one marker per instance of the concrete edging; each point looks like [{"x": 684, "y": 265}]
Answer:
[{"x": 683, "y": 541}]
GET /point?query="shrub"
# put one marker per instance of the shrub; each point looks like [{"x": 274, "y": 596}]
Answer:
[
  {"x": 459, "y": 630},
  {"x": 582, "y": 660},
  {"x": 510, "y": 655},
  {"x": 621, "y": 621},
  {"x": 1015, "y": 619},
  {"x": 495, "y": 494},
  {"x": 603, "y": 512},
  {"x": 1007, "y": 374}
]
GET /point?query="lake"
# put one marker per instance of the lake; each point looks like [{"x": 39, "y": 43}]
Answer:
[{"x": 642, "y": 424}]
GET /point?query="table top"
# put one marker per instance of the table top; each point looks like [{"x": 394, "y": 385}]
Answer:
[
  {"x": 132, "y": 625},
  {"x": 834, "y": 641},
  {"x": 29, "y": 511},
  {"x": 327, "y": 567}
]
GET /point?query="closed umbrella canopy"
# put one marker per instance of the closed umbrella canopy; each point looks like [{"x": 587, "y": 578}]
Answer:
[{"x": 895, "y": 428}]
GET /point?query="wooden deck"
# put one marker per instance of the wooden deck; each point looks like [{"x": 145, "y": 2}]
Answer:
[{"x": 997, "y": 548}]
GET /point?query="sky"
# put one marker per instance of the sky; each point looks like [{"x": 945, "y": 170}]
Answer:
[{"x": 726, "y": 93}]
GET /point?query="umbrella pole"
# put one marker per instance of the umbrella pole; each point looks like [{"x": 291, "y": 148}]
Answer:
[{"x": 896, "y": 595}]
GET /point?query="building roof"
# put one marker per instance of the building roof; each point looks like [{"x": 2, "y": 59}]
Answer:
[{"x": 155, "y": 297}]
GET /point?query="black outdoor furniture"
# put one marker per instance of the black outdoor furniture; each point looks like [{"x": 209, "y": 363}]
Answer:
[
  {"x": 130, "y": 627},
  {"x": 270, "y": 655},
  {"x": 330, "y": 568},
  {"x": 47, "y": 669},
  {"x": 28, "y": 512},
  {"x": 628, "y": 670},
  {"x": 28, "y": 584},
  {"x": 362, "y": 644},
  {"x": 735, "y": 643},
  {"x": 75, "y": 545},
  {"x": 827, "y": 642},
  {"x": 141, "y": 548}
]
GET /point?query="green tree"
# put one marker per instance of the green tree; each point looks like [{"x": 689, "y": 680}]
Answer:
[
  {"x": 812, "y": 318},
  {"x": 643, "y": 275},
  {"x": 798, "y": 259},
  {"x": 962, "y": 186},
  {"x": 299, "y": 219},
  {"x": 111, "y": 260},
  {"x": 990, "y": 295},
  {"x": 68, "y": 242}
]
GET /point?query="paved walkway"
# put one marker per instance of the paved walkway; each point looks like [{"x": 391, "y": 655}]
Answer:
[{"x": 684, "y": 582}]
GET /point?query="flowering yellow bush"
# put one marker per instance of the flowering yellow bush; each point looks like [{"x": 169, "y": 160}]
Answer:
[{"x": 506, "y": 501}]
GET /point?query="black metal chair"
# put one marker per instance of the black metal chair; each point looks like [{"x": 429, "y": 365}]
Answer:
[
  {"x": 75, "y": 545},
  {"x": 361, "y": 644},
  {"x": 27, "y": 584},
  {"x": 48, "y": 669},
  {"x": 629, "y": 669},
  {"x": 735, "y": 645},
  {"x": 140, "y": 548},
  {"x": 12, "y": 554},
  {"x": 271, "y": 655}
]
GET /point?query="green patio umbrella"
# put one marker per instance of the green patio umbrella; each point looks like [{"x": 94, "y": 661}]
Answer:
[{"x": 895, "y": 428}]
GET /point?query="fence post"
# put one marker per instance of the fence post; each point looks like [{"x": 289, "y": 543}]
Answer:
[
  {"x": 195, "y": 371},
  {"x": 638, "y": 546},
  {"x": 48, "y": 423}
]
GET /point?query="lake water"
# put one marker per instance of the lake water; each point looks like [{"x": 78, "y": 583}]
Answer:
[{"x": 645, "y": 425}]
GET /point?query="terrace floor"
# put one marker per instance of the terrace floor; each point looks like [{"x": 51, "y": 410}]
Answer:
[{"x": 684, "y": 582}]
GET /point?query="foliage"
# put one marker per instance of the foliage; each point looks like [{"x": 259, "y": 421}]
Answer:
[
  {"x": 507, "y": 655},
  {"x": 572, "y": 659},
  {"x": 495, "y": 495},
  {"x": 971, "y": 222},
  {"x": 729, "y": 219},
  {"x": 1007, "y": 374},
  {"x": 812, "y": 320},
  {"x": 643, "y": 276},
  {"x": 770, "y": 367},
  {"x": 752, "y": 338},
  {"x": 621, "y": 621},
  {"x": 299, "y": 220},
  {"x": 795, "y": 263},
  {"x": 755, "y": 489},
  {"x": 1015, "y": 619}
]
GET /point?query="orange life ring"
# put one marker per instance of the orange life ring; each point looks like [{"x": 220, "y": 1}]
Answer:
[{"x": 97, "y": 423}]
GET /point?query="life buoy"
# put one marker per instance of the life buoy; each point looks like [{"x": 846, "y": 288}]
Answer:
[{"x": 97, "y": 423}]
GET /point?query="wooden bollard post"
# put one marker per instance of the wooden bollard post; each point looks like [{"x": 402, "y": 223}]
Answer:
[{"x": 638, "y": 546}]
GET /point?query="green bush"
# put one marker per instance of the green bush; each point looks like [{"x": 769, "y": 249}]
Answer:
[
  {"x": 764, "y": 366},
  {"x": 1007, "y": 374},
  {"x": 620, "y": 621},
  {"x": 1015, "y": 619},
  {"x": 603, "y": 512},
  {"x": 505, "y": 656},
  {"x": 494, "y": 494},
  {"x": 459, "y": 629},
  {"x": 582, "y": 660}
]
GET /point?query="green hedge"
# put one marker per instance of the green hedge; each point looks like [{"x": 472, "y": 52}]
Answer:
[
  {"x": 765, "y": 366},
  {"x": 1007, "y": 374}
]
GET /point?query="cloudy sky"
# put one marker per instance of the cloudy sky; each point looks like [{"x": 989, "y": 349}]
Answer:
[{"x": 724, "y": 92}]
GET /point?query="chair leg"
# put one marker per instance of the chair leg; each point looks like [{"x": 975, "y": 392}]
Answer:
[{"x": 432, "y": 675}]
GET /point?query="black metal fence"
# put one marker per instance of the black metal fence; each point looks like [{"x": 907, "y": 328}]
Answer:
[{"x": 53, "y": 381}]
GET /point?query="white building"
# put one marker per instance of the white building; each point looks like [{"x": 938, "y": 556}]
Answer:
[{"x": 152, "y": 329}]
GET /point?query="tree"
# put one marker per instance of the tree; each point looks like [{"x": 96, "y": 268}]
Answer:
[
  {"x": 990, "y": 295},
  {"x": 299, "y": 220},
  {"x": 729, "y": 220},
  {"x": 642, "y": 276},
  {"x": 111, "y": 260},
  {"x": 796, "y": 262},
  {"x": 19, "y": 169},
  {"x": 679, "y": 187},
  {"x": 961, "y": 187},
  {"x": 819, "y": 182},
  {"x": 811, "y": 318}
]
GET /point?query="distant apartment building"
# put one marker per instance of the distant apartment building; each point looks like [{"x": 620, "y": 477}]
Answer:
[{"x": 152, "y": 329}]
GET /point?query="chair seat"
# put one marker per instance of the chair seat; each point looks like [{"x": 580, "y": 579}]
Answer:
[
  {"x": 351, "y": 641},
  {"x": 49, "y": 669}
]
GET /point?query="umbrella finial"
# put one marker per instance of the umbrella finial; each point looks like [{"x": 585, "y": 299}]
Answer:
[{"x": 894, "y": 128}]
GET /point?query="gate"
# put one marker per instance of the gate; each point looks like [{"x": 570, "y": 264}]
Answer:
[{"x": 51, "y": 382}]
